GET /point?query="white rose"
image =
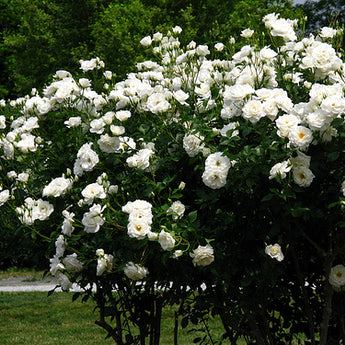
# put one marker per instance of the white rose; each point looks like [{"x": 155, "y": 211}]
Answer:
[
  {"x": 146, "y": 41},
  {"x": 92, "y": 191},
  {"x": 93, "y": 219},
  {"x": 337, "y": 276},
  {"x": 247, "y": 33},
  {"x": 108, "y": 144},
  {"x": 302, "y": 176},
  {"x": 253, "y": 111},
  {"x": 72, "y": 264},
  {"x": 202, "y": 256},
  {"x": 57, "y": 187},
  {"x": 280, "y": 169},
  {"x": 274, "y": 251},
  {"x": 138, "y": 229},
  {"x": 176, "y": 210},
  {"x": 134, "y": 271},
  {"x": 166, "y": 241},
  {"x": 193, "y": 144}
]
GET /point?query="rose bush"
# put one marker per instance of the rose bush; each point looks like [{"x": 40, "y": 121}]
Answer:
[{"x": 177, "y": 180}]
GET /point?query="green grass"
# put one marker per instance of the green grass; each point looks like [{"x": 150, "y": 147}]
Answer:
[{"x": 34, "y": 318}]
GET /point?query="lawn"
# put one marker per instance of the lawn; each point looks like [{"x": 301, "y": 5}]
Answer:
[{"x": 34, "y": 318}]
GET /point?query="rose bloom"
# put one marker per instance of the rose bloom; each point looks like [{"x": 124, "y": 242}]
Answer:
[
  {"x": 138, "y": 229},
  {"x": 73, "y": 121},
  {"x": 143, "y": 215},
  {"x": 108, "y": 144},
  {"x": 302, "y": 176},
  {"x": 136, "y": 205},
  {"x": 300, "y": 136},
  {"x": 140, "y": 160},
  {"x": 97, "y": 126},
  {"x": 274, "y": 251},
  {"x": 219, "y": 161},
  {"x": 237, "y": 92},
  {"x": 92, "y": 191},
  {"x": 4, "y": 196},
  {"x": 285, "y": 123},
  {"x": 59, "y": 186},
  {"x": 72, "y": 264},
  {"x": 104, "y": 262},
  {"x": 176, "y": 210},
  {"x": 337, "y": 276},
  {"x": 247, "y": 33},
  {"x": 134, "y": 271},
  {"x": 156, "y": 103},
  {"x": 166, "y": 241},
  {"x": 93, "y": 219},
  {"x": 219, "y": 46},
  {"x": 63, "y": 281},
  {"x": 214, "y": 178},
  {"x": 146, "y": 41},
  {"x": 123, "y": 115},
  {"x": 280, "y": 169},
  {"x": 202, "y": 256},
  {"x": 193, "y": 144},
  {"x": 67, "y": 227}
]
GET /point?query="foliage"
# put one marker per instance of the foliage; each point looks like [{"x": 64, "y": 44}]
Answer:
[
  {"x": 213, "y": 183},
  {"x": 52, "y": 35}
]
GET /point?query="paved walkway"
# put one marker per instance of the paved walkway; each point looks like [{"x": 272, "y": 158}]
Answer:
[{"x": 20, "y": 284}]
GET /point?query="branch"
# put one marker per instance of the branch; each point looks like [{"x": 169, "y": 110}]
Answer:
[{"x": 307, "y": 306}]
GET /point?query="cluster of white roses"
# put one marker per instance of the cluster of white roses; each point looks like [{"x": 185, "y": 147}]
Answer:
[{"x": 164, "y": 90}]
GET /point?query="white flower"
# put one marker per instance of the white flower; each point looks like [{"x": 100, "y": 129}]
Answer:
[
  {"x": 157, "y": 103},
  {"x": 117, "y": 130},
  {"x": 134, "y": 271},
  {"x": 93, "y": 219},
  {"x": 181, "y": 96},
  {"x": 192, "y": 143},
  {"x": 337, "y": 276},
  {"x": 92, "y": 191},
  {"x": 57, "y": 187},
  {"x": 86, "y": 159},
  {"x": 202, "y": 50},
  {"x": 177, "y": 253},
  {"x": 302, "y": 176},
  {"x": 146, "y": 41},
  {"x": 108, "y": 144},
  {"x": 104, "y": 262},
  {"x": 4, "y": 196},
  {"x": 63, "y": 281},
  {"x": 219, "y": 46},
  {"x": 137, "y": 205},
  {"x": 84, "y": 82},
  {"x": 72, "y": 264},
  {"x": 216, "y": 170},
  {"x": 253, "y": 111},
  {"x": 247, "y": 33},
  {"x": 300, "y": 136},
  {"x": 203, "y": 255},
  {"x": 280, "y": 169},
  {"x": 166, "y": 241},
  {"x": 176, "y": 210},
  {"x": 123, "y": 115},
  {"x": 237, "y": 92},
  {"x": 141, "y": 159},
  {"x": 67, "y": 225},
  {"x": 274, "y": 251},
  {"x": 73, "y": 121},
  {"x": 286, "y": 123},
  {"x": 138, "y": 229},
  {"x": 97, "y": 126},
  {"x": 327, "y": 32},
  {"x": 60, "y": 245}
]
